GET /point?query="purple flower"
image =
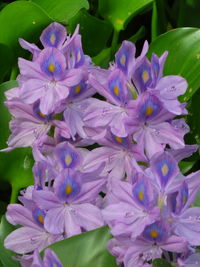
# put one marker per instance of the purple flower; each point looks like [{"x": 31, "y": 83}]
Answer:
[
  {"x": 154, "y": 240},
  {"x": 32, "y": 235},
  {"x": 118, "y": 153},
  {"x": 66, "y": 206},
  {"x": 134, "y": 208},
  {"x": 150, "y": 125},
  {"x": 28, "y": 126},
  {"x": 47, "y": 79}
]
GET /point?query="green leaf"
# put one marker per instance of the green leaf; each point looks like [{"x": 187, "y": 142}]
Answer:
[
  {"x": 191, "y": 7},
  {"x": 92, "y": 42},
  {"x": 62, "y": 10},
  {"x": 183, "y": 58},
  {"x": 6, "y": 255},
  {"x": 120, "y": 12},
  {"x": 161, "y": 263},
  {"x": 159, "y": 21},
  {"x": 86, "y": 250},
  {"x": 193, "y": 119},
  {"x": 103, "y": 58},
  {"x": 6, "y": 57},
  {"x": 15, "y": 166},
  {"x": 186, "y": 166},
  {"x": 21, "y": 19}
]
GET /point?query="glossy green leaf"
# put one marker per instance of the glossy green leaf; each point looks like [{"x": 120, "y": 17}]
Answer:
[
  {"x": 62, "y": 10},
  {"x": 184, "y": 56},
  {"x": 85, "y": 250},
  {"x": 92, "y": 42},
  {"x": 15, "y": 166},
  {"x": 159, "y": 20},
  {"x": 193, "y": 119},
  {"x": 120, "y": 12},
  {"x": 6, "y": 255},
  {"x": 21, "y": 19},
  {"x": 103, "y": 58},
  {"x": 189, "y": 11},
  {"x": 186, "y": 166},
  {"x": 161, "y": 263},
  {"x": 6, "y": 57}
]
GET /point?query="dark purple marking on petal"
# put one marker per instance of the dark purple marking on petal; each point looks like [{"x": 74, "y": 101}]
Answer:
[
  {"x": 124, "y": 55},
  {"x": 38, "y": 216},
  {"x": 140, "y": 193},
  {"x": 77, "y": 89},
  {"x": 39, "y": 114},
  {"x": 156, "y": 232},
  {"x": 149, "y": 107},
  {"x": 142, "y": 76},
  {"x": 165, "y": 167},
  {"x": 51, "y": 66},
  {"x": 182, "y": 197},
  {"x": 155, "y": 65},
  {"x": 123, "y": 141},
  {"x": 116, "y": 87},
  {"x": 54, "y": 35},
  {"x": 67, "y": 156},
  {"x": 69, "y": 188}
]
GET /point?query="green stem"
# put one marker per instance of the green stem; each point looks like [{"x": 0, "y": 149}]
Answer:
[
  {"x": 114, "y": 42},
  {"x": 14, "y": 72},
  {"x": 14, "y": 195}
]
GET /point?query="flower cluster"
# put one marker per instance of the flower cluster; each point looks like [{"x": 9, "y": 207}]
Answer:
[{"x": 112, "y": 161}]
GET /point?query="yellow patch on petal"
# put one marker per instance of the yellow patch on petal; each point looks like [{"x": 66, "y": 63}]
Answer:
[
  {"x": 118, "y": 139},
  {"x": 77, "y": 89},
  {"x": 78, "y": 56},
  {"x": 68, "y": 189},
  {"x": 53, "y": 38},
  {"x": 42, "y": 114},
  {"x": 154, "y": 234},
  {"x": 40, "y": 219},
  {"x": 140, "y": 195},
  {"x": 145, "y": 76},
  {"x": 51, "y": 67},
  {"x": 149, "y": 110},
  {"x": 123, "y": 60},
  {"x": 68, "y": 160},
  {"x": 164, "y": 169},
  {"x": 116, "y": 90}
]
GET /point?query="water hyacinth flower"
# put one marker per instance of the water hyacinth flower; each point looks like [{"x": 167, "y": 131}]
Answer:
[
  {"x": 154, "y": 240},
  {"x": 119, "y": 154},
  {"x": 28, "y": 126},
  {"x": 32, "y": 235},
  {"x": 151, "y": 125},
  {"x": 66, "y": 206},
  {"x": 47, "y": 79},
  {"x": 134, "y": 209}
]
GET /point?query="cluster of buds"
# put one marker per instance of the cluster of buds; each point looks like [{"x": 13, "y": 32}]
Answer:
[{"x": 106, "y": 145}]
